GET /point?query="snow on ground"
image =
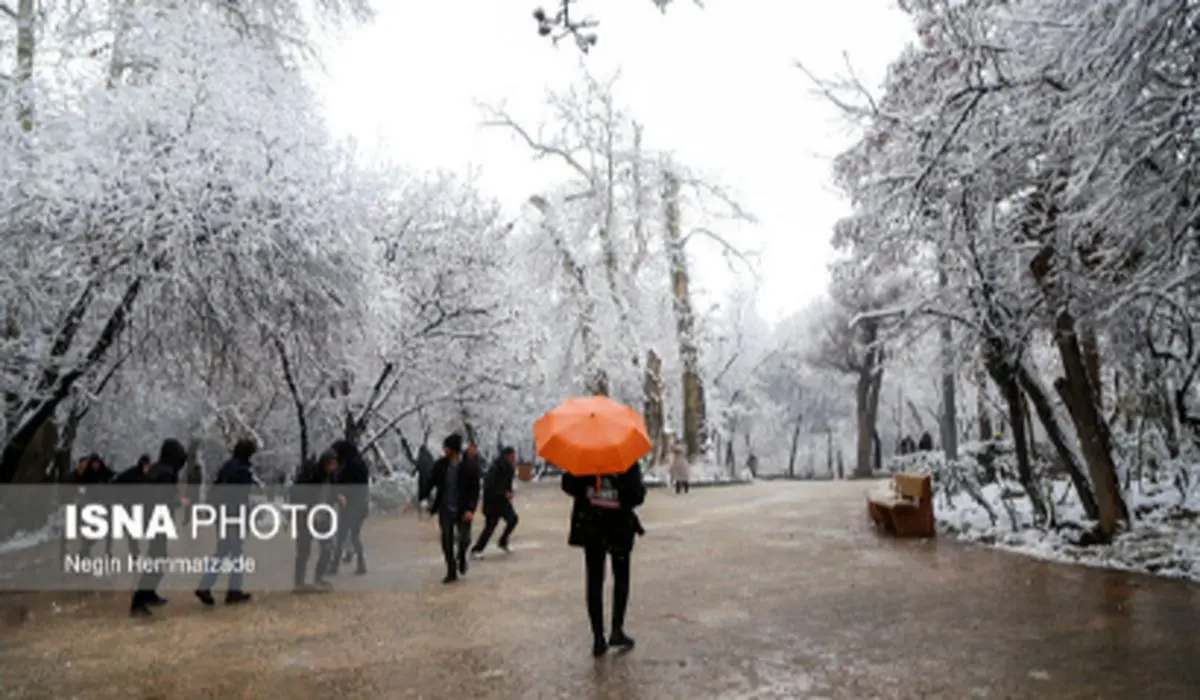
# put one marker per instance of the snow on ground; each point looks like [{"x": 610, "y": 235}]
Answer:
[
  {"x": 1164, "y": 538},
  {"x": 26, "y": 539}
]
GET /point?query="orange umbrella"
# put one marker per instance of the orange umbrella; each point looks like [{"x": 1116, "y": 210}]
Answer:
[{"x": 592, "y": 436}]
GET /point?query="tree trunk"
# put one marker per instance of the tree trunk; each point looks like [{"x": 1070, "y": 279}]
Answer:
[
  {"x": 652, "y": 398},
  {"x": 1048, "y": 416},
  {"x": 1081, "y": 399},
  {"x": 297, "y": 400},
  {"x": 866, "y": 411},
  {"x": 689, "y": 353},
  {"x": 65, "y": 446},
  {"x": 866, "y": 397},
  {"x": 26, "y": 46},
  {"x": 1080, "y": 361},
  {"x": 1089, "y": 346},
  {"x": 949, "y": 418},
  {"x": 829, "y": 451},
  {"x": 1007, "y": 381},
  {"x": 795, "y": 445}
]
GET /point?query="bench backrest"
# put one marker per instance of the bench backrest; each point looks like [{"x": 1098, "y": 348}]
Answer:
[{"x": 914, "y": 486}]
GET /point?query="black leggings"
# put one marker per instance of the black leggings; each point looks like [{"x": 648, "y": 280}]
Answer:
[
  {"x": 593, "y": 558},
  {"x": 350, "y": 528}
]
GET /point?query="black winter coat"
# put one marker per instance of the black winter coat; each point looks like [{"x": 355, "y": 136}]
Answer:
[
  {"x": 353, "y": 478},
  {"x": 234, "y": 481},
  {"x": 497, "y": 485},
  {"x": 100, "y": 475},
  {"x": 468, "y": 485},
  {"x": 162, "y": 478},
  {"x": 309, "y": 487},
  {"x": 611, "y": 528}
]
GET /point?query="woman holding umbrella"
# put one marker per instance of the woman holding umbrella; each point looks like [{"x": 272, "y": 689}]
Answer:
[{"x": 595, "y": 441}]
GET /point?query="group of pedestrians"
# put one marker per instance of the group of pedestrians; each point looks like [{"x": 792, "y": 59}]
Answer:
[
  {"x": 339, "y": 477},
  {"x": 452, "y": 490},
  {"x": 603, "y": 521}
]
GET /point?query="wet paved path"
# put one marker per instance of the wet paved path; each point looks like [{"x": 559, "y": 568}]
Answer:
[{"x": 776, "y": 590}]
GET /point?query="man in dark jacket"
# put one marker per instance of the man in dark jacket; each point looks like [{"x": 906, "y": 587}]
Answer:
[
  {"x": 423, "y": 468},
  {"x": 497, "y": 501},
  {"x": 310, "y": 489},
  {"x": 231, "y": 494},
  {"x": 125, "y": 485},
  {"x": 456, "y": 482},
  {"x": 353, "y": 496},
  {"x": 91, "y": 475},
  {"x": 162, "y": 488}
]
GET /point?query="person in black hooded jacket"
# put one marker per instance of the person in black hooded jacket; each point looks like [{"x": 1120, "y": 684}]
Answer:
[
  {"x": 126, "y": 484},
  {"x": 161, "y": 480},
  {"x": 497, "y": 501},
  {"x": 310, "y": 490},
  {"x": 353, "y": 495},
  {"x": 604, "y": 525},
  {"x": 232, "y": 488}
]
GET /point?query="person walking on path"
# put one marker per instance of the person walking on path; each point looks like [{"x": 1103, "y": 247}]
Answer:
[
  {"x": 456, "y": 483},
  {"x": 311, "y": 489},
  {"x": 125, "y": 485},
  {"x": 232, "y": 496},
  {"x": 354, "y": 497},
  {"x": 604, "y": 525},
  {"x": 422, "y": 467},
  {"x": 92, "y": 477},
  {"x": 680, "y": 470},
  {"x": 498, "y": 501},
  {"x": 162, "y": 479}
]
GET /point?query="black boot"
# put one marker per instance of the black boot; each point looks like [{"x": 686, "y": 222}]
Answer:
[
  {"x": 138, "y": 607},
  {"x": 450, "y": 577},
  {"x": 462, "y": 563},
  {"x": 599, "y": 646},
  {"x": 621, "y": 640},
  {"x": 205, "y": 597},
  {"x": 235, "y": 597},
  {"x": 155, "y": 599}
]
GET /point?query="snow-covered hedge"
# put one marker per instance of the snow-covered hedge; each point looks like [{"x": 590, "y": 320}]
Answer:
[
  {"x": 392, "y": 493},
  {"x": 972, "y": 504}
]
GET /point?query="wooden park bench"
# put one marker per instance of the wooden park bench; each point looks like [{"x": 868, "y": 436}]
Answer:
[{"x": 907, "y": 509}]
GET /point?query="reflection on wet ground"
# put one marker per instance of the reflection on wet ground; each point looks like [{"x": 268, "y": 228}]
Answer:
[{"x": 775, "y": 590}]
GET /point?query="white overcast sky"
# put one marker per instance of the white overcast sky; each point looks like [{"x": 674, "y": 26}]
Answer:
[{"x": 716, "y": 85}]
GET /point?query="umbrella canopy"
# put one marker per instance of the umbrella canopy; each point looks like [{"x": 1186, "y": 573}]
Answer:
[{"x": 592, "y": 436}]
